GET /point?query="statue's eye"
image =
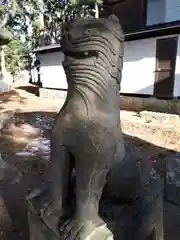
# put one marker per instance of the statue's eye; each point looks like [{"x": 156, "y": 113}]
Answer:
[
  {"x": 91, "y": 53},
  {"x": 81, "y": 55}
]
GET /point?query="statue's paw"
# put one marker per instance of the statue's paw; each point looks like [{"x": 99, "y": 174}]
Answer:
[
  {"x": 101, "y": 232},
  {"x": 71, "y": 230},
  {"x": 34, "y": 193},
  {"x": 37, "y": 192},
  {"x": 75, "y": 230}
]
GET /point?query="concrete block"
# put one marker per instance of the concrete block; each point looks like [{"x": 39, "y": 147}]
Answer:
[
  {"x": 53, "y": 94},
  {"x": 172, "y": 178},
  {"x": 5, "y": 221}
]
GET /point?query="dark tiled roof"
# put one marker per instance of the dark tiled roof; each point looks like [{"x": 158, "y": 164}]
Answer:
[
  {"x": 154, "y": 31},
  {"x": 161, "y": 29}
]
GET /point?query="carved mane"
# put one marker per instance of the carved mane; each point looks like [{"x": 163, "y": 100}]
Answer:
[{"x": 94, "y": 50}]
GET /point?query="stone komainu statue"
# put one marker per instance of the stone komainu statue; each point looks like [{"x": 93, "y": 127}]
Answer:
[{"x": 90, "y": 172}]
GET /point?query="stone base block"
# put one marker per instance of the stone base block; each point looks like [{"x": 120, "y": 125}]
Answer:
[
  {"x": 140, "y": 220},
  {"x": 134, "y": 103},
  {"x": 5, "y": 222},
  {"x": 38, "y": 230},
  {"x": 52, "y": 94},
  {"x": 172, "y": 180}
]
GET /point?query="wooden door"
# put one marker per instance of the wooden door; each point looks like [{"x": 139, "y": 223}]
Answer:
[{"x": 166, "y": 51}]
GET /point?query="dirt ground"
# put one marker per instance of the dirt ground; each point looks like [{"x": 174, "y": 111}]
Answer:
[{"x": 25, "y": 123}]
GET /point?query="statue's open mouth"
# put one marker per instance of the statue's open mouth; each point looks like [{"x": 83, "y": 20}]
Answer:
[{"x": 81, "y": 54}]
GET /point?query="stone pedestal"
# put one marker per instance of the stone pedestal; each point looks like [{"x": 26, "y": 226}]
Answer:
[
  {"x": 139, "y": 220},
  {"x": 5, "y": 222},
  {"x": 53, "y": 94},
  {"x": 38, "y": 230},
  {"x": 172, "y": 178}
]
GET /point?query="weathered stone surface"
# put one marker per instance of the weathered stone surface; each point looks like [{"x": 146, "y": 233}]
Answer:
[
  {"x": 127, "y": 175},
  {"x": 161, "y": 117},
  {"x": 9, "y": 174},
  {"x": 140, "y": 220},
  {"x": 172, "y": 186},
  {"x": 88, "y": 128},
  {"x": 131, "y": 103},
  {"x": 96, "y": 190},
  {"x": 38, "y": 230},
  {"x": 5, "y": 222},
  {"x": 52, "y": 94}
]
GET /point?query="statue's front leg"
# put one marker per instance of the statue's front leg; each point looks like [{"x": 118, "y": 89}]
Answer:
[
  {"x": 51, "y": 201},
  {"x": 60, "y": 180},
  {"x": 86, "y": 223}
]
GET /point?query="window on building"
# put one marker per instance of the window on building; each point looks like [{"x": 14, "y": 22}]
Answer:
[{"x": 155, "y": 12}]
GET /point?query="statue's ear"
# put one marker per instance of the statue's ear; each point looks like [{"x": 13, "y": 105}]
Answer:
[{"x": 114, "y": 18}]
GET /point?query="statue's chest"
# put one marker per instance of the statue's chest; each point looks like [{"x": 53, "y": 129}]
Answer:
[{"x": 80, "y": 131}]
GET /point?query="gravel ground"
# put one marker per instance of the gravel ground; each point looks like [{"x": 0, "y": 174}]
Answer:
[{"x": 26, "y": 122}]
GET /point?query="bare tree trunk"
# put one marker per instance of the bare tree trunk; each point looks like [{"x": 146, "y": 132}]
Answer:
[
  {"x": 3, "y": 68},
  {"x": 41, "y": 20},
  {"x": 96, "y": 9},
  {"x": 2, "y": 24}
]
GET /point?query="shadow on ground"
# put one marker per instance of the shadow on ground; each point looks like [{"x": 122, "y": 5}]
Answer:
[
  {"x": 30, "y": 89},
  {"x": 22, "y": 130},
  {"x": 10, "y": 96}
]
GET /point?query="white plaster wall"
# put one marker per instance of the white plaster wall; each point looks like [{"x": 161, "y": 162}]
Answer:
[
  {"x": 138, "y": 75},
  {"x": 52, "y": 71},
  {"x": 138, "y": 68},
  {"x": 172, "y": 10},
  {"x": 177, "y": 72}
]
